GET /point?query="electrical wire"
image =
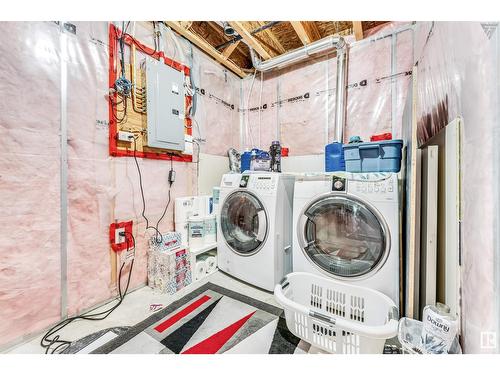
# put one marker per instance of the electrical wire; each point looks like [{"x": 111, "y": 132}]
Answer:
[
  {"x": 193, "y": 84},
  {"x": 169, "y": 198},
  {"x": 122, "y": 47},
  {"x": 158, "y": 235},
  {"x": 115, "y": 110},
  {"x": 200, "y": 137},
  {"x": 156, "y": 37},
  {"x": 48, "y": 343},
  {"x": 198, "y": 146}
]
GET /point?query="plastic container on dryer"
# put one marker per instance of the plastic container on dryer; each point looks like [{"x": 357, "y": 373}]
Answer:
[
  {"x": 382, "y": 156},
  {"x": 334, "y": 157}
]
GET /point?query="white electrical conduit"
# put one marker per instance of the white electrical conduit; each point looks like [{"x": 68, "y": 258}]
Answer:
[
  {"x": 248, "y": 131},
  {"x": 321, "y": 46},
  {"x": 260, "y": 108}
]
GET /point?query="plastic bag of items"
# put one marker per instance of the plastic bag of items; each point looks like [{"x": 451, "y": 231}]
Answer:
[{"x": 169, "y": 264}]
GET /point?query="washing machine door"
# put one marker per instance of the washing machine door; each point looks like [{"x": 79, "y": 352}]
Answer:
[
  {"x": 343, "y": 236},
  {"x": 244, "y": 223}
]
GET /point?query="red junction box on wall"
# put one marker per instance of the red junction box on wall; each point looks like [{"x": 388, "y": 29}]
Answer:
[{"x": 127, "y": 227}]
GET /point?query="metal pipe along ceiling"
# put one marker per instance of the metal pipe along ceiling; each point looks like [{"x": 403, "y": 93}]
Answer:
[{"x": 315, "y": 48}]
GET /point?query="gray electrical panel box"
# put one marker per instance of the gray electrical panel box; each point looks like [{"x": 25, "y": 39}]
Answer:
[{"x": 165, "y": 106}]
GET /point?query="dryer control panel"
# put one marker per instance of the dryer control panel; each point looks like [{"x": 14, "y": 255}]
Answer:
[{"x": 384, "y": 189}]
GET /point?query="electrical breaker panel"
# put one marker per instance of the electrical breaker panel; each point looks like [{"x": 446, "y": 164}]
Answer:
[{"x": 165, "y": 106}]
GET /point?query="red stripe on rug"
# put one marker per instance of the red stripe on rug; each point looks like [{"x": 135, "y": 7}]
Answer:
[
  {"x": 212, "y": 344},
  {"x": 181, "y": 314}
]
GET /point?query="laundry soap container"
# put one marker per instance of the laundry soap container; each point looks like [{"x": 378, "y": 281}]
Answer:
[
  {"x": 196, "y": 238},
  {"x": 383, "y": 156},
  {"x": 334, "y": 157},
  {"x": 246, "y": 158},
  {"x": 209, "y": 224}
]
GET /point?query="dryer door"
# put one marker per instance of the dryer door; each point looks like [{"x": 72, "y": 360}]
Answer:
[
  {"x": 343, "y": 236},
  {"x": 243, "y": 222}
]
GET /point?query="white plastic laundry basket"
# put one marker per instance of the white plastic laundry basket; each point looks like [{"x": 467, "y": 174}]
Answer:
[{"x": 337, "y": 317}]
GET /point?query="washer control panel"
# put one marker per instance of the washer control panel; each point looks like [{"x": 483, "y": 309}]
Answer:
[{"x": 263, "y": 182}]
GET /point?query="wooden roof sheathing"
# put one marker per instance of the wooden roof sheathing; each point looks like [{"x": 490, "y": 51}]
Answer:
[{"x": 271, "y": 42}]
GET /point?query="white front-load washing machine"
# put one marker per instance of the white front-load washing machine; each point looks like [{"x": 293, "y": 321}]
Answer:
[
  {"x": 346, "y": 226},
  {"x": 254, "y": 230}
]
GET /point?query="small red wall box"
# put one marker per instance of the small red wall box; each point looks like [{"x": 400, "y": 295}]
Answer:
[{"x": 127, "y": 225}]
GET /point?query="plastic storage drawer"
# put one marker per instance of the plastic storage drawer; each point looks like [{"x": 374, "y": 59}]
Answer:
[{"x": 383, "y": 156}]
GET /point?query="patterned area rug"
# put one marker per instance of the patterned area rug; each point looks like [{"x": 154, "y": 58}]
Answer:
[{"x": 209, "y": 320}]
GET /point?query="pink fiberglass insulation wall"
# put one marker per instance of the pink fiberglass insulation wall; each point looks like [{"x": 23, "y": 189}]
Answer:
[
  {"x": 458, "y": 76},
  {"x": 296, "y": 105},
  {"x": 29, "y": 178},
  {"x": 217, "y": 120},
  {"x": 259, "y": 109},
  {"x": 100, "y": 189}
]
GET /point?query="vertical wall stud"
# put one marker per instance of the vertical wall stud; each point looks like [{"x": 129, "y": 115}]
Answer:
[
  {"x": 64, "y": 170},
  {"x": 394, "y": 81}
]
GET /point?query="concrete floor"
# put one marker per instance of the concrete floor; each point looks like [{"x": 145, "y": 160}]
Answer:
[{"x": 135, "y": 308}]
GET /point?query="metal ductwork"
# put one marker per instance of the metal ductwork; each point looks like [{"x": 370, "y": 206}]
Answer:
[{"x": 316, "y": 48}]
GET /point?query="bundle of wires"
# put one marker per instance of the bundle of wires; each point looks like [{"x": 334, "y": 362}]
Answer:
[
  {"x": 156, "y": 36},
  {"x": 122, "y": 85},
  {"x": 52, "y": 341}
]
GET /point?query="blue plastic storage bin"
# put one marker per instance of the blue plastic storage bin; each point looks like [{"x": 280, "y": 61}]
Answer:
[{"x": 383, "y": 156}]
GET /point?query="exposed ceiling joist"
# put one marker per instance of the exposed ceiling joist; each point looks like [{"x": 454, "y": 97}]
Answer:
[
  {"x": 306, "y": 31},
  {"x": 186, "y": 24},
  {"x": 275, "y": 40},
  {"x": 312, "y": 30},
  {"x": 273, "y": 51},
  {"x": 357, "y": 26},
  {"x": 206, "y": 47},
  {"x": 230, "y": 49},
  {"x": 215, "y": 27},
  {"x": 247, "y": 37}
]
